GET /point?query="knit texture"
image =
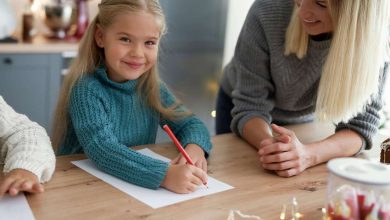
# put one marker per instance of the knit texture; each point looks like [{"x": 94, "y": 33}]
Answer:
[
  {"x": 24, "y": 144},
  {"x": 265, "y": 83},
  {"x": 106, "y": 118}
]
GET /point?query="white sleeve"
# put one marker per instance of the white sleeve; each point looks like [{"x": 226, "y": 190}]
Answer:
[{"x": 24, "y": 144}]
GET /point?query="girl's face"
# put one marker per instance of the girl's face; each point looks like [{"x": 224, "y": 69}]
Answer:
[
  {"x": 315, "y": 16},
  {"x": 130, "y": 45}
]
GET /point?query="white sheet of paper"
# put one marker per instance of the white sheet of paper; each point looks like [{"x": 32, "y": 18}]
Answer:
[
  {"x": 154, "y": 198},
  {"x": 15, "y": 208}
]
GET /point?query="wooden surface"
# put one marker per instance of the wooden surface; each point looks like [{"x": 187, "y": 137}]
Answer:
[
  {"x": 40, "y": 44},
  {"x": 75, "y": 194}
]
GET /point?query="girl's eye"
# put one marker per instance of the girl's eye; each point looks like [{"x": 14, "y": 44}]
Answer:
[
  {"x": 150, "y": 43},
  {"x": 125, "y": 39}
]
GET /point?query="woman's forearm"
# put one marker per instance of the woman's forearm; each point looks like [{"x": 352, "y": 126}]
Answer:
[
  {"x": 343, "y": 143},
  {"x": 256, "y": 130}
]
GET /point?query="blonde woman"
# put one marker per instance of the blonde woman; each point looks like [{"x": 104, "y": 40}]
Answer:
[
  {"x": 25, "y": 152},
  {"x": 296, "y": 61},
  {"x": 112, "y": 99}
]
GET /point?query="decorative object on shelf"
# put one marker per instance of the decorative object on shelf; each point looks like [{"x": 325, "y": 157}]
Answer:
[
  {"x": 28, "y": 22},
  {"x": 58, "y": 16},
  {"x": 7, "y": 21},
  {"x": 82, "y": 18}
]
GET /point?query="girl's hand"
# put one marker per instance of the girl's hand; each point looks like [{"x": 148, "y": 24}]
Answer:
[
  {"x": 184, "y": 178},
  {"x": 196, "y": 154},
  {"x": 284, "y": 154},
  {"x": 20, "y": 180}
]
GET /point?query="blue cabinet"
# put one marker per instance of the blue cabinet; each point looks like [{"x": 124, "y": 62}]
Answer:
[
  {"x": 191, "y": 53},
  {"x": 30, "y": 83},
  {"x": 195, "y": 26}
]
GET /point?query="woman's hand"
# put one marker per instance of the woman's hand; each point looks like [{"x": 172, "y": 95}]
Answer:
[
  {"x": 20, "y": 180},
  {"x": 196, "y": 154},
  {"x": 284, "y": 154},
  {"x": 184, "y": 178}
]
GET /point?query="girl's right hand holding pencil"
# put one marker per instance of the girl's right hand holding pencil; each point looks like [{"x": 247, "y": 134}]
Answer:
[
  {"x": 197, "y": 155},
  {"x": 184, "y": 178}
]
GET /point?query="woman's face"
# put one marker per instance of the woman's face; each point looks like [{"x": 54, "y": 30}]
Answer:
[{"x": 315, "y": 16}]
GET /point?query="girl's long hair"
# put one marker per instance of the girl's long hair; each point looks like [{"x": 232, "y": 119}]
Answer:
[
  {"x": 90, "y": 55},
  {"x": 358, "y": 52}
]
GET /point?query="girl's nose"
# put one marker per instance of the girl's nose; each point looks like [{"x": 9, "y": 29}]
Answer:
[{"x": 136, "y": 50}]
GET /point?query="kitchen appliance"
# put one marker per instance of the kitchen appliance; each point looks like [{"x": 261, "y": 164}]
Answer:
[
  {"x": 58, "y": 16},
  {"x": 66, "y": 18}
]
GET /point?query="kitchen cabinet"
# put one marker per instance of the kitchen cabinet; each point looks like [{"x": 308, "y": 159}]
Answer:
[
  {"x": 191, "y": 53},
  {"x": 30, "y": 83},
  {"x": 195, "y": 26}
]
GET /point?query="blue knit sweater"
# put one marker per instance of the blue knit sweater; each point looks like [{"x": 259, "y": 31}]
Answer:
[{"x": 106, "y": 118}]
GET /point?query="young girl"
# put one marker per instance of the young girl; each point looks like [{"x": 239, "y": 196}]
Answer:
[
  {"x": 296, "y": 61},
  {"x": 112, "y": 99},
  {"x": 26, "y": 152}
]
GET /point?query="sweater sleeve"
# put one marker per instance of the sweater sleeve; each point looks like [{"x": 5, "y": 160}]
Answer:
[
  {"x": 253, "y": 90},
  {"x": 366, "y": 123},
  {"x": 94, "y": 131},
  {"x": 189, "y": 130},
  {"x": 24, "y": 144}
]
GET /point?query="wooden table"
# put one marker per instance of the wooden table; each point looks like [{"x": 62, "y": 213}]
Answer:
[{"x": 75, "y": 194}]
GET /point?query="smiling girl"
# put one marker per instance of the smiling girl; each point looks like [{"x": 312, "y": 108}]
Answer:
[{"x": 112, "y": 99}]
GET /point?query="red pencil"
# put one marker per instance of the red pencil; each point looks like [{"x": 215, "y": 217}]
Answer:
[{"x": 178, "y": 145}]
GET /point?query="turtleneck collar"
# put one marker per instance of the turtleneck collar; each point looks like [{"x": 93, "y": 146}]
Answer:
[
  {"x": 322, "y": 37},
  {"x": 101, "y": 74},
  {"x": 321, "y": 41}
]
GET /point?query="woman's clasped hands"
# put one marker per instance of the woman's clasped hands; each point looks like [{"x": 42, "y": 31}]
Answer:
[{"x": 284, "y": 153}]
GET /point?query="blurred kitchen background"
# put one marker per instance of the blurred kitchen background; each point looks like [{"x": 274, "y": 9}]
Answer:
[
  {"x": 47, "y": 31},
  {"x": 39, "y": 39}
]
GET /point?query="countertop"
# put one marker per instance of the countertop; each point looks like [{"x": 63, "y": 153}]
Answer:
[{"x": 40, "y": 44}]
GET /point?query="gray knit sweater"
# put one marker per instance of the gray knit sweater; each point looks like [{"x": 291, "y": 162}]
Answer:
[{"x": 265, "y": 83}]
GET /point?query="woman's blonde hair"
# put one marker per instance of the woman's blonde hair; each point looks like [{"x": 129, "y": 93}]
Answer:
[
  {"x": 358, "y": 52},
  {"x": 90, "y": 56}
]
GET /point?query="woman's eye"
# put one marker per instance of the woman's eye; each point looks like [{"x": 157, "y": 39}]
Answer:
[{"x": 321, "y": 4}]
